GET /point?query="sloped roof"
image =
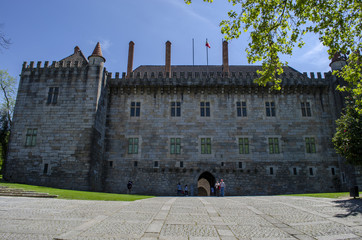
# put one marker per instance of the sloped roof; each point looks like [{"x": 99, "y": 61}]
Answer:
[
  {"x": 76, "y": 56},
  {"x": 203, "y": 68},
  {"x": 97, "y": 52}
]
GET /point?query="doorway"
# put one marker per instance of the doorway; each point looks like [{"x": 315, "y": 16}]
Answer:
[{"x": 204, "y": 184}]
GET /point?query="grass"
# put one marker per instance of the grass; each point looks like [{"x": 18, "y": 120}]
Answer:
[
  {"x": 79, "y": 195},
  {"x": 325, "y": 195}
]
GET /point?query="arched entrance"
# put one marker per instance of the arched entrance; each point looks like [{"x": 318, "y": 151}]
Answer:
[{"x": 204, "y": 183}]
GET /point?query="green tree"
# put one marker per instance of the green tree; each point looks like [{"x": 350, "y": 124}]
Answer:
[
  {"x": 348, "y": 137},
  {"x": 8, "y": 92},
  {"x": 277, "y": 26}
]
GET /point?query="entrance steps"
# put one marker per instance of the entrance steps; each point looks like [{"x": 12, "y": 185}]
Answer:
[{"x": 14, "y": 192}]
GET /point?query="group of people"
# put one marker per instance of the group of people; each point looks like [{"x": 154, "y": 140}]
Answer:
[
  {"x": 181, "y": 192},
  {"x": 219, "y": 189}
]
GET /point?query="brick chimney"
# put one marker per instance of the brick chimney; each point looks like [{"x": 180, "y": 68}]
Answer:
[
  {"x": 168, "y": 59},
  {"x": 225, "y": 57},
  {"x": 130, "y": 58},
  {"x": 76, "y": 49}
]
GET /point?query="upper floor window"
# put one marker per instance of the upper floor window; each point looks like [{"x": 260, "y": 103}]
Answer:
[
  {"x": 241, "y": 109},
  {"x": 205, "y": 145},
  {"x": 305, "y": 106},
  {"x": 133, "y": 146},
  {"x": 243, "y": 146},
  {"x": 53, "y": 95},
  {"x": 31, "y": 134},
  {"x": 274, "y": 146},
  {"x": 175, "y": 145},
  {"x": 310, "y": 145},
  {"x": 175, "y": 109},
  {"x": 135, "y": 109},
  {"x": 205, "y": 109},
  {"x": 270, "y": 109}
]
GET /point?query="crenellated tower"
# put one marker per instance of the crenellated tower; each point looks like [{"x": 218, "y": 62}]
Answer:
[{"x": 55, "y": 122}]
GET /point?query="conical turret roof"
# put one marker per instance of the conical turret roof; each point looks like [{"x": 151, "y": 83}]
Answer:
[{"x": 97, "y": 52}]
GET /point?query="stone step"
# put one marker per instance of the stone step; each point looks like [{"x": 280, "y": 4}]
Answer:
[{"x": 14, "y": 192}]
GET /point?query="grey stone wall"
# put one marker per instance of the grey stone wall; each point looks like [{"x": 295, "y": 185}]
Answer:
[
  {"x": 155, "y": 127},
  {"x": 65, "y": 129}
]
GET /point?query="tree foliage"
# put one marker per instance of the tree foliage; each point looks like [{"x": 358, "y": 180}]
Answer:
[
  {"x": 277, "y": 26},
  {"x": 4, "y": 41},
  {"x": 348, "y": 137},
  {"x": 8, "y": 91}
]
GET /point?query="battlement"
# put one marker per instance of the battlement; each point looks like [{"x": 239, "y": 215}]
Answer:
[
  {"x": 212, "y": 78},
  {"x": 55, "y": 64}
]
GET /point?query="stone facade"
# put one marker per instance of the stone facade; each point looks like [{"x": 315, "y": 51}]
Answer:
[{"x": 147, "y": 127}]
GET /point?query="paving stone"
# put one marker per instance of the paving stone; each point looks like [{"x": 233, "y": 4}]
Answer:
[{"x": 179, "y": 219}]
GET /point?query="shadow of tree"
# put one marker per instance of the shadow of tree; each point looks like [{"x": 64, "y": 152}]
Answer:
[{"x": 352, "y": 206}]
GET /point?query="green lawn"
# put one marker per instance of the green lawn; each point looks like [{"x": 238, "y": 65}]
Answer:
[
  {"x": 326, "y": 195},
  {"x": 80, "y": 195}
]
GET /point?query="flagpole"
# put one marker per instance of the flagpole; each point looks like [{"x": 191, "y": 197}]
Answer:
[
  {"x": 193, "y": 53},
  {"x": 207, "y": 58}
]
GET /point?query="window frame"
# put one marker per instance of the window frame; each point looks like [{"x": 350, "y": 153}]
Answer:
[
  {"x": 31, "y": 137},
  {"x": 241, "y": 109},
  {"x": 205, "y": 109},
  {"x": 133, "y": 147},
  {"x": 205, "y": 145},
  {"x": 135, "y": 109}
]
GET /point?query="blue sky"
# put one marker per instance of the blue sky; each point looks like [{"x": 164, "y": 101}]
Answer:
[{"x": 49, "y": 30}]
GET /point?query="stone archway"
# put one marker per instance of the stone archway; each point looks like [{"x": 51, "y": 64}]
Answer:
[{"x": 204, "y": 183}]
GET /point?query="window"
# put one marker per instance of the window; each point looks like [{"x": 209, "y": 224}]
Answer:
[
  {"x": 175, "y": 109},
  {"x": 155, "y": 164},
  {"x": 45, "y": 170},
  {"x": 274, "y": 146},
  {"x": 133, "y": 146},
  {"x": 270, "y": 109},
  {"x": 271, "y": 171},
  {"x": 305, "y": 106},
  {"x": 181, "y": 164},
  {"x": 311, "y": 171},
  {"x": 295, "y": 172},
  {"x": 222, "y": 164},
  {"x": 175, "y": 145},
  {"x": 135, "y": 163},
  {"x": 111, "y": 164},
  {"x": 243, "y": 146},
  {"x": 205, "y": 145},
  {"x": 135, "y": 109},
  {"x": 53, "y": 95},
  {"x": 333, "y": 171},
  {"x": 241, "y": 109},
  {"x": 310, "y": 145},
  {"x": 240, "y": 164},
  {"x": 205, "y": 109},
  {"x": 31, "y": 137}
]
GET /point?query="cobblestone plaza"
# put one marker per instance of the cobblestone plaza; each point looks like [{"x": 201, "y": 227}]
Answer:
[{"x": 271, "y": 217}]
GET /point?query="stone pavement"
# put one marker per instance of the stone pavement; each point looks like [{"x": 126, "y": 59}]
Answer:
[{"x": 271, "y": 217}]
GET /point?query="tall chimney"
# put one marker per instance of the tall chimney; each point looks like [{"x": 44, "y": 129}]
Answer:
[
  {"x": 130, "y": 58},
  {"x": 225, "y": 57},
  {"x": 168, "y": 59}
]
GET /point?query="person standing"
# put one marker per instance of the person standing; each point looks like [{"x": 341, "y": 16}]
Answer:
[
  {"x": 222, "y": 188},
  {"x": 179, "y": 189},
  {"x": 217, "y": 188},
  {"x": 186, "y": 191},
  {"x": 129, "y": 187}
]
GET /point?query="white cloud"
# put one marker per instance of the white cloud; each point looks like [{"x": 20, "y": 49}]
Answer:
[{"x": 105, "y": 44}]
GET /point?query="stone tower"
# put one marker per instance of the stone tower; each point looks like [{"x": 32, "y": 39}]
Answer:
[{"x": 55, "y": 122}]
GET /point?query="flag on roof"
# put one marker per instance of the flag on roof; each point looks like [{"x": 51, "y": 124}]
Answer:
[{"x": 207, "y": 44}]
